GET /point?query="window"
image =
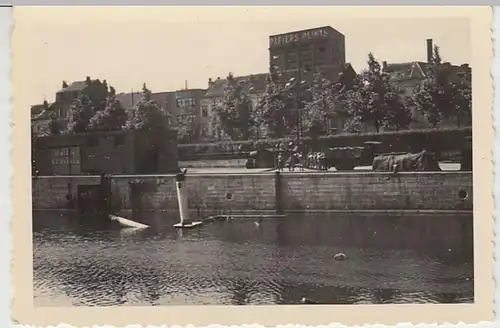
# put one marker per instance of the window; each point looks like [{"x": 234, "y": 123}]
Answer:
[
  {"x": 119, "y": 140},
  {"x": 204, "y": 110},
  {"x": 186, "y": 102},
  {"x": 306, "y": 51}
]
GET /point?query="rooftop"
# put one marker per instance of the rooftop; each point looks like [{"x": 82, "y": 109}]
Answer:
[
  {"x": 41, "y": 112},
  {"x": 37, "y": 109},
  {"x": 306, "y": 30},
  {"x": 75, "y": 86},
  {"x": 255, "y": 83},
  {"x": 417, "y": 69},
  {"x": 409, "y": 70},
  {"x": 130, "y": 100}
]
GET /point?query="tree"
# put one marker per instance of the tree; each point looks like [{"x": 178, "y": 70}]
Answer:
[
  {"x": 461, "y": 89},
  {"x": 97, "y": 92},
  {"x": 399, "y": 115},
  {"x": 318, "y": 110},
  {"x": 444, "y": 93},
  {"x": 236, "y": 112},
  {"x": 54, "y": 127},
  {"x": 351, "y": 101},
  {"x": 430, "y": 96},
  {"x": 148, "y": 114},
  {"x": 374, "y": 100},
  {"x": 344, "y": 95},
  {"x": 81, "y": 111},
  {"x": 112, "y": 118},
  {"x": 426, "y": 99},
  {"x": 276, "y": 108}
]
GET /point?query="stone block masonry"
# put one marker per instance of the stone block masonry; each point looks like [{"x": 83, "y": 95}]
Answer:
[
  {"x": 53, "y": 192},
  {"x": 293, "y": 192},
  {"x": 377, "y": 191},
  {"x": 214, "y": 163}
]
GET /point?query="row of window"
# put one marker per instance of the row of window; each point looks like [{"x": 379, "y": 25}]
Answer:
[
  {"x": 186, "y": 102},
  {"x": 318, "y": 55},
  {"x": 304, "y": 53}
]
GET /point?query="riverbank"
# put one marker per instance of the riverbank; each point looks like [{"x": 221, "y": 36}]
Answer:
[{"x": 284, "y": 192}]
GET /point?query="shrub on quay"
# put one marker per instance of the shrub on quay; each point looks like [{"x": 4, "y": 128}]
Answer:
[{"x": 406, "y": 140}]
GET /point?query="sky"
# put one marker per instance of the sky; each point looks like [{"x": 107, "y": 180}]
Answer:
[{"x": 166, "y": 46}]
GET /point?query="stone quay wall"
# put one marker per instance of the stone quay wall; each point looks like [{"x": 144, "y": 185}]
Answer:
[
  {"x": 275, "y": 193},
  {"x": 214, "y": 163}
]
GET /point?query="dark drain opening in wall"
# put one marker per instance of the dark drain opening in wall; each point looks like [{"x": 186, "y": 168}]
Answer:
[{"x": 462, "y": 194}]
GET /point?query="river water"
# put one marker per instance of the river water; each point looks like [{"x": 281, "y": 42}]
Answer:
[{"x": 391, "y": 259}]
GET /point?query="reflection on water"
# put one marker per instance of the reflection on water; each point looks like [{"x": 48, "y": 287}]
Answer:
[{"x": 391, "y": 259}]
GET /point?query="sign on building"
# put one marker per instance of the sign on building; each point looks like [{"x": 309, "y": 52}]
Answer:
[
  {"x": 293, "y": 37},
  {"x": 66, "y": 161}
]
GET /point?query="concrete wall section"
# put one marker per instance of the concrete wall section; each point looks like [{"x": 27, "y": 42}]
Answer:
[
  {"x": 377, "y": 191},
  {"x": 332, "y": 191},
  {"x": 52, "y": 192},
  {"x": 241, "y": 192}
]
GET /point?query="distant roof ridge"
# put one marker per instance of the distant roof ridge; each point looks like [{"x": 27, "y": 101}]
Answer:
[
  {"x": 258, "y": 83},
  {"x": 305, "y": 30},
  {"x": 76, "y": 85}
]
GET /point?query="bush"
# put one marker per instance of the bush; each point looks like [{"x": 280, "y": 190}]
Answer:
[{"x": 407, "y": 140}]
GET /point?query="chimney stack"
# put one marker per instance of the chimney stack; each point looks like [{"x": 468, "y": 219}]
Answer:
[
  {"x": 429, "y": 50},
  {"x": 384, "y": 66}
]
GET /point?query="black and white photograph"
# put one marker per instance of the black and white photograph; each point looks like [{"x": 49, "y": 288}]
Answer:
[{"x": 243, "y": 159}]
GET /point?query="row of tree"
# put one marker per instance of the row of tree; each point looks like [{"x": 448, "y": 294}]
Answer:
[
  {"x": 92, "y": 111},
  {"x": 97, "y": 109},
  {"x": 370, "y": 98}
]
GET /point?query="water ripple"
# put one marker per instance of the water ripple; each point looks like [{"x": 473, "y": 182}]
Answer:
[{"x": 236, "y": 263}]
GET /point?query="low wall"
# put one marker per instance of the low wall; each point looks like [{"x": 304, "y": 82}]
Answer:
[
  {"x": 378, "y": 191},
  {"x": 286, "y": 192},
  {"x": 213, "y": 163}
]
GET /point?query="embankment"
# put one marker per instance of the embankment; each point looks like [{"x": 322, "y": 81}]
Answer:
[{"x": 271, "y": 192}]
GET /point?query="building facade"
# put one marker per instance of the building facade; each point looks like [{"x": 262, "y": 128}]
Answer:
[
  {"x": 254, "y": 85},
  {"x": 59, "y": 110},
  {"x": 116, "y": 152},
  {"x": 308, "y": 52},
  {"x": 182, "y": 106},
  {"x": 189, "y": 115}
]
